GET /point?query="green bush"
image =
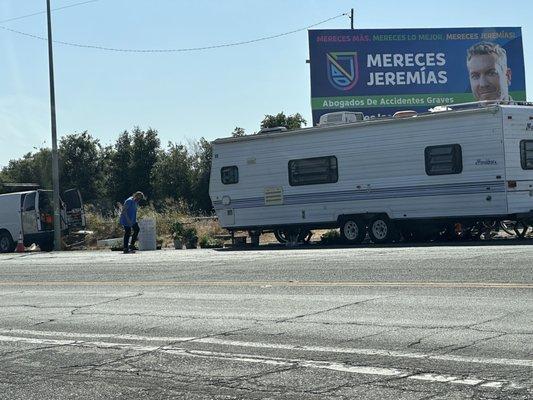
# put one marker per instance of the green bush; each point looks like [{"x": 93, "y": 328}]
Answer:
[
  {"x": 177, "y": 229},
  {"x": 209, "y": 242}
]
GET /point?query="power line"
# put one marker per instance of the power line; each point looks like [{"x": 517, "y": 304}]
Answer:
[
  {"x": 178, "y": 50},
  {"x": 44, "y": 12}
]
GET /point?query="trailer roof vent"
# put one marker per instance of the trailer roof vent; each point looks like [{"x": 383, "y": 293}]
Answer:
[
  {"x": 273, "y": 130},
  {"x": 405, "y": 114},
  {"x": 339, "y": 118},
  {"x": 440, "y": 109}
]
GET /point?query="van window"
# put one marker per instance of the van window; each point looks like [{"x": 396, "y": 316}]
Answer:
[
  {"x": 313, "y": 171},
  {"x": 29, "y": 202},
  {"x": 229, "y": 175},
  {"x": 444, "y": 160},
  {"x": 45, "y": 202},
  {"x": 526, "y": 154}
]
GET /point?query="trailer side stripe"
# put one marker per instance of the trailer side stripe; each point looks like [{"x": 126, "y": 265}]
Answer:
[{"x": 374, "y": 194}]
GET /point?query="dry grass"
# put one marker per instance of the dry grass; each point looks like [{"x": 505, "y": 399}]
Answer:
[
  {"x": 207, "y": 228},
  {"x": 107, "y": 227}
]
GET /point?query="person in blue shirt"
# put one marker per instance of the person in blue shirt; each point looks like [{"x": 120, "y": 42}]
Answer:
[{"x": 128, "y": 219}]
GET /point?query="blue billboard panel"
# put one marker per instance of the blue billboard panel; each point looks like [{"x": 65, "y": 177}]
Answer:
[{"x": 381, "y": 71}]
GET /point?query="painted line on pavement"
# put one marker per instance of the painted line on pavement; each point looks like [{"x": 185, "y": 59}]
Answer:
[
  {"x": 272, "y": 346},
  {"x": 295, "y": 362},
  {"x": 453, "y": 285}
]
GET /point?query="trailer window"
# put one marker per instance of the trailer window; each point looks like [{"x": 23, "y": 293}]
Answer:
[
  {"x": 526, "y": 154},
  {"x": 313, "y": 171},
  {"x": 444, "y": 160},
  {"x": 229, "y": 175}
]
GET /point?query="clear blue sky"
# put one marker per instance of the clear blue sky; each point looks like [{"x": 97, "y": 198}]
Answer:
[{"x": 189, "y": 95}]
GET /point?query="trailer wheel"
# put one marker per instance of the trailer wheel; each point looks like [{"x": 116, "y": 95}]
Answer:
[
  {"x": 508, "y": 226},
  {"x": 282, "y": 235},
  {"x": 381, "y": 230},
  {"x": 520, "y": 229},
  {"x": 7, "y": 245},
  {"x": 353, "y": 231}
]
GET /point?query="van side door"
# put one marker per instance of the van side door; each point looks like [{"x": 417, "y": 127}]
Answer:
[
  {"x": 74, "y": 209},
  {"x": 30, "y": 214},
  {"x": 46, "y": 210}
]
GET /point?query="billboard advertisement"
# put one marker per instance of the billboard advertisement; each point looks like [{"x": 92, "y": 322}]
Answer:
[{"x": 381, "y": 71}]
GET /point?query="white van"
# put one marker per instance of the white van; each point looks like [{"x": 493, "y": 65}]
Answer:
[{"x": 31, "y": 215}]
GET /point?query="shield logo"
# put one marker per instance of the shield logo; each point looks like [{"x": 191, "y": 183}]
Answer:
[{"x": 343, "y": 69}]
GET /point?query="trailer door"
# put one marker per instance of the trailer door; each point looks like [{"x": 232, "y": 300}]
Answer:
[{"x": 518, "y": 139}]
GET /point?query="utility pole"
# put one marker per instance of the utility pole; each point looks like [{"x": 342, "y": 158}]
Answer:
[
  {"x": 55, "y": 157},
  {"x": 351, "y": 18}
]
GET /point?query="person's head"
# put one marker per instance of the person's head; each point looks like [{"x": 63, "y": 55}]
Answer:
[
  {"x": 138, "y": 196},
  {"x": 487, "y": 68}
]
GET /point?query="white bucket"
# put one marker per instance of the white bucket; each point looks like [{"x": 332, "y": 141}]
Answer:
[{"x": 147, "y": 234}]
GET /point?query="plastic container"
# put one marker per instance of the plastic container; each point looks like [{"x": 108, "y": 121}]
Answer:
[{"x": 147, "y": 234}]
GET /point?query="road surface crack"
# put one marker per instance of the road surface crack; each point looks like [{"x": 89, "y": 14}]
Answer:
[
  {"x": 327, "y": 310},
  {"x": 76, "y": 309},
  {"x": 472, "y": 343}
]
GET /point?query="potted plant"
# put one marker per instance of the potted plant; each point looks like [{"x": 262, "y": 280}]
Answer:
[
  {"x": 190, "y": 238},
  {"x": 178, "y": 231}
]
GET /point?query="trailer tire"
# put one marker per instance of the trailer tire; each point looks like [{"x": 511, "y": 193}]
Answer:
[
  {"x": 382, "y": 230},
  {"x": 281, "y": 235},
  {"x": 353, "y": 231},
  {"x": 520, "y": 228},
  {"x": 284, "y": 235},
  {"x": 7, "y": 245}
]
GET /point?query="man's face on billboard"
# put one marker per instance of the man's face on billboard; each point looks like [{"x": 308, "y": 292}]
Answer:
[{"x": 489, "y": 79}]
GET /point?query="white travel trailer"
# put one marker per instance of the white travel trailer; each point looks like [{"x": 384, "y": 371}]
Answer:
[
  {"x": 470, "y": 165},
  {"x": 30, "y": 214}
]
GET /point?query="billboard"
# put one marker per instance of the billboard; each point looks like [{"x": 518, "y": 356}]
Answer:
[{"x": 381, "y": 71}]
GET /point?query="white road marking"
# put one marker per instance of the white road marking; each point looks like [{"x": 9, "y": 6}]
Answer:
[
  {"x": 97, "y": 335},
  {"x": 250, "y": 358},
  {"x": 278, "y": 346}
]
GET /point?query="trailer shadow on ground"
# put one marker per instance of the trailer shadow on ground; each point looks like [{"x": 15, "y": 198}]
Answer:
[{"x": 319, "y": 246}]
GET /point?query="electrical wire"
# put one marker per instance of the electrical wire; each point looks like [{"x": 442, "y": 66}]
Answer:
[
  {"x": 44, "y": 12},
  {"x": 178, "y": 50}
]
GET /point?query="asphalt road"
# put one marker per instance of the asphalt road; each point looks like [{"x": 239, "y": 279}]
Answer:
[{"x": 360, "y": 323}]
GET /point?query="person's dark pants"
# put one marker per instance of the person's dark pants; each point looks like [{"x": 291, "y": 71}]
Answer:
[{"x": 127, "y": 234}]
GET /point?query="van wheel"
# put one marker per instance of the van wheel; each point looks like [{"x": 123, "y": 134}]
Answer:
[
  {"x": 353, "y": 231},
  {"x": 381, "y": 230},
  {"x": 7, "y": 245}
]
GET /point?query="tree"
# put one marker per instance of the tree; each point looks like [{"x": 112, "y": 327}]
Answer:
[
  {"x": 290, "y": 122},
  {"x": 171, "y": 174},
  {"x": 201, "y": 171},
  {"x": 145, "y": 147},
  {"x": 31, "y": 168},
  {"x": 238, "y": 132},
  {"x": 119, "y": 185},
  {"x": 81, "y": 165}
]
